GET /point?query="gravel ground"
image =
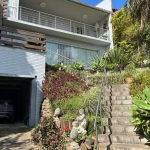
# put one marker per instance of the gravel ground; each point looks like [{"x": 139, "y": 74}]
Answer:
[{"x": 15, "y": 137}]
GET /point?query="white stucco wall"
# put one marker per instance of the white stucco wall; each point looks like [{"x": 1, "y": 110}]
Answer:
[
  {"x": 24, "y": 62},
  {"x": 105, "y": 4}
]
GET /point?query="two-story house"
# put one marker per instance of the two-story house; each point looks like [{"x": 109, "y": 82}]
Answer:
[{"x": 35, "y": 32}]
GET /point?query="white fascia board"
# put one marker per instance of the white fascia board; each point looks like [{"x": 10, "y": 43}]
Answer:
[
  {"x": 105, "y": 4},
  {"x": 15, "y": 75},
  {"x": 93, "y": 7}
]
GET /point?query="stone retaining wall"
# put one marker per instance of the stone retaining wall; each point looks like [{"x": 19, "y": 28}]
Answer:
[{"x": 45, "y": 109}]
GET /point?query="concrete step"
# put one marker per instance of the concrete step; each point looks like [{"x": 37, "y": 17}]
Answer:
[
  {"x": 129, "y": 139},
  {"x": 120, "y": 121},
  {"x": 121, "y": 86},
  {"x": 104, "y": 138},
  {"x": 119, "y": 114},
  {"x": 128, "y": 147},
  {"x": 116, "y": 129},
  {"x": 119, "y": 102},
  {"x": 120, "y": 107},
  {"x": 122, "y": 97},
  {"x": 119, "y": 93},
  {"x": 121, "y": 138},
  {"x": 103, "y": 146},
  {"x": 107, "y": 90}
]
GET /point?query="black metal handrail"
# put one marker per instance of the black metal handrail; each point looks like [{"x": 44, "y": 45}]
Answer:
[{"x": 99, "y": 109}]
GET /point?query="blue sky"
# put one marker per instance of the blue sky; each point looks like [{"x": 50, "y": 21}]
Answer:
[{"x": 116, "y": 3}]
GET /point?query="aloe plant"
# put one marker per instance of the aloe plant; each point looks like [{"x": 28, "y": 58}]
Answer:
[{"x": 141, "y": 112}]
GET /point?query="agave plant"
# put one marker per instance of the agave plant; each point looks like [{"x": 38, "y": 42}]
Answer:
[
  {"x": 141, "y": 112},
  {"x": 98, "y": 63},
  {"x": 76, "y": 65},
  {"x": 117, "y": 58}
]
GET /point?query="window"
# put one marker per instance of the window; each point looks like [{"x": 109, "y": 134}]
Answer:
[
  {"x": 57, "y": 53},
  {"x": 64, "y": 54}
]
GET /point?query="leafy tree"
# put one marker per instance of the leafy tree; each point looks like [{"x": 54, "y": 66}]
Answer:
[
  {"x": 139, "y": 10},
  {"x": 128, "y": 35},
  {"x": 122, "y": 27}
]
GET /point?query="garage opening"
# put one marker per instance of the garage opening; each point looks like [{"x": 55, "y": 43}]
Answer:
[{"x": 15, "y": 92}]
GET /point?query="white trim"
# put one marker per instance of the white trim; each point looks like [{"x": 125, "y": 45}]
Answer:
[
  {"x": 15, "y": 75},
  {"x": 93, "y": 7}
]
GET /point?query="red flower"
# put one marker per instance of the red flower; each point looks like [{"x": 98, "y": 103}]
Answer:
[{"x": 66, "y": 128}]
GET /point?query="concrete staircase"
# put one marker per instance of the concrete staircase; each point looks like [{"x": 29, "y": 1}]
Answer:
[{"x": 119, "y": 135}]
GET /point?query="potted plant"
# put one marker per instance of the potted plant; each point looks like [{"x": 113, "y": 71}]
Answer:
[{"x": 130, "y": 70}]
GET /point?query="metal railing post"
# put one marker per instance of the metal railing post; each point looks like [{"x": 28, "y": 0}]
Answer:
[
  {"x": 55, "y": 22},
  {"x": 39, "y": 21},
  {"x": 84, "y": 29},
  {"x": 70, "y": 26},
  {"x": 20, "y": 12}
]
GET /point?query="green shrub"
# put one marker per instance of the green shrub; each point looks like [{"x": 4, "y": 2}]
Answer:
[
  {"x": 47, "y": 135},
  {"x": 90, "y": 127},
  {"x": 116, "y": 59},
  {"x": 68, "y": 107},
  {"x": 139, "y": 82},
  {"x": 87, "y": 100},
  {"x": 141, "y": 112},
  {"x": 110, "y": 79},
  {"x": 62, "y": 85},
  {"x": 130, "y": 70},
  {"x": 76, "y": 65},
  {"x": 98, "y": 64},
  {"x": 115, "y": 78},
  {"x": 82, "y": 73}
]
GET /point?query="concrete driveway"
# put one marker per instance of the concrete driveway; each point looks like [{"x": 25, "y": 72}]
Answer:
[{"x": 15, "y": 137}]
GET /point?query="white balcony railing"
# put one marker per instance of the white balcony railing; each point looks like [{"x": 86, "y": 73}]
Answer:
[{"x": 48, "y": 20}]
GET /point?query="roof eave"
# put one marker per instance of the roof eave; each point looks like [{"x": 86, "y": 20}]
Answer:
[{"x": 93, "y": 7}]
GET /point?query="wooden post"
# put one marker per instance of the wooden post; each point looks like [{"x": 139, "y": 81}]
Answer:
[{"x": 1, "y": 12}]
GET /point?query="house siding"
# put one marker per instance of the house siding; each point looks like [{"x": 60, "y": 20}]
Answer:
[{"x": 24, "y": 62}]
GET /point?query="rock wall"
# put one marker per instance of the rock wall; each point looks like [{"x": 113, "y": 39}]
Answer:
[{"x": 46, "y": 110}]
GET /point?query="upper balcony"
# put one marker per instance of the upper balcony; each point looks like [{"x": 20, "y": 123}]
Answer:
[{"x": 89, "y": 30}]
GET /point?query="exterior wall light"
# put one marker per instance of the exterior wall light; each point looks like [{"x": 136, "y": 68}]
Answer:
[
  {"x": 84, "y": 16},
  {"x": 42, "y": 4}
]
